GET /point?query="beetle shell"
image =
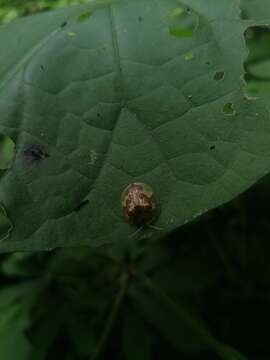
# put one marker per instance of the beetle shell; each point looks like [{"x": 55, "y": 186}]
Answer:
[{"x": 139, "y": 204}]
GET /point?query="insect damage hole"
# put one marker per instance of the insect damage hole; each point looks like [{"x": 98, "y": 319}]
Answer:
[
  {"x": 219, "y": 75},
  {"x": 228, "y": 109}
]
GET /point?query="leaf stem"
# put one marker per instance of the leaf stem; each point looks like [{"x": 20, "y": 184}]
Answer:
[{"x": 112, "y": 317}]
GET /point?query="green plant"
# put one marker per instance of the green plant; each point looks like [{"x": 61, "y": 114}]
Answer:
[{"x": 115, "y": 92}]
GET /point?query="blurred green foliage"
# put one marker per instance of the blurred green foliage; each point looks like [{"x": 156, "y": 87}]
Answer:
[{"x": 11, "y": 9}]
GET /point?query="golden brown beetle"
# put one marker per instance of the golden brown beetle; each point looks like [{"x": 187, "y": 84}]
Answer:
[{"x": 139, "y": 204}]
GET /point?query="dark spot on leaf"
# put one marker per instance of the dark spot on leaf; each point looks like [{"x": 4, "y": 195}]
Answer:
[
  {"x": 190, "y": 96},
  {"x": 212, "y": 147},
  {"x": 42, "y": 67},
  {"x": 35, "y": 153},
  {"x": 140, "y": 19},
  {"x": 207, "y": 63},
  {"x": 84, "y": 16},
  {"x": 229, "y": 109},
  {"x": 98, "y": 114},
  {"x": 219, "y": 75},
  {"x": 81, "y": 205},
  {"x": 64, "y": 24}
]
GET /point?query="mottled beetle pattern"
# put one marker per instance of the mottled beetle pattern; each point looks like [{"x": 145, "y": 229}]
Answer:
[{"x": 139, "y": 204}]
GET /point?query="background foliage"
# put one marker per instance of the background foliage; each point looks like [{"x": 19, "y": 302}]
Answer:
[
  {"x": 11, "y": 9},
  {"x": 215, "y": 271}
]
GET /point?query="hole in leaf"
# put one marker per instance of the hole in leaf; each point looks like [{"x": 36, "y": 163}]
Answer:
[
  {"x": 257, "y": 65},
  {"x": 229, "y": 109},
  {"x": 6, "y": 225},
  {"x": 35, "y": 153},
  {"x": 84, "y": 16},
  {"x": 179, "y": 11},
  {"x": 219, "y": 75},
  {"x": 183, "y": 23},
  {"x": 71, "y": 34},
  {"x": 189, "y": 56},
  {"x": 181, "y": 32},
  {"x": 7, "y": 152}
]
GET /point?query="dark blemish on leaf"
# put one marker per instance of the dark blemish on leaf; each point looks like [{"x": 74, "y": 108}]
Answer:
[
  {"x": 212, "y": 147},
  {"x": 207, "y": 63},
  {"x": 63, "y": 24},
  {"x": 219, "y": 75},
  {"x": 190, "y": 97},
  {"x": 42, "y": 67},
  {"x": 228, "y": 109},
  {"x": 98, "y": 115},
  {"x": 139, "y": 204},
  {"x": 140, "y": 19},
  {"x": 81, "y": 205},
  {"x": 35, "y": 153},
  {"x": 86, "y": 15}
]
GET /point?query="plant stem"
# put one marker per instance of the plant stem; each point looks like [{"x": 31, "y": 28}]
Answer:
[{"x": 111, "y": 318}]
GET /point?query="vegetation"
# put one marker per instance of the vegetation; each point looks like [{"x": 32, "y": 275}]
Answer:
[
  {"x": 106, "y": 94},
  {"x": 12, "y": 9}
]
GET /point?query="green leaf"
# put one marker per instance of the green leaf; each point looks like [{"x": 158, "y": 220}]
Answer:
[
  {"x": 122, "y": 100},
  {"x": 7, "y": 152}
]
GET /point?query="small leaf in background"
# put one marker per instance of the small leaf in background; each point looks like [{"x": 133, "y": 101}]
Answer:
[
  {"x": 84, "y": 16},
  {"x": 174, "y": 321},
  {"x": 6, "y": 225},
  {"x": 7, "y": 152},
  {"x": 15, "y": 320},
  {"x": 13, "y": 343},
  {"x": 182, "y": 327}
]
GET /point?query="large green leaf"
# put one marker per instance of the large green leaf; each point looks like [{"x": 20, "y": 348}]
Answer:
[{"x": 147, "y": 91}]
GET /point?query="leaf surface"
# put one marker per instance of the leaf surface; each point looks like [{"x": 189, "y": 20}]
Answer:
[{"x": 133, "y": 92}]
